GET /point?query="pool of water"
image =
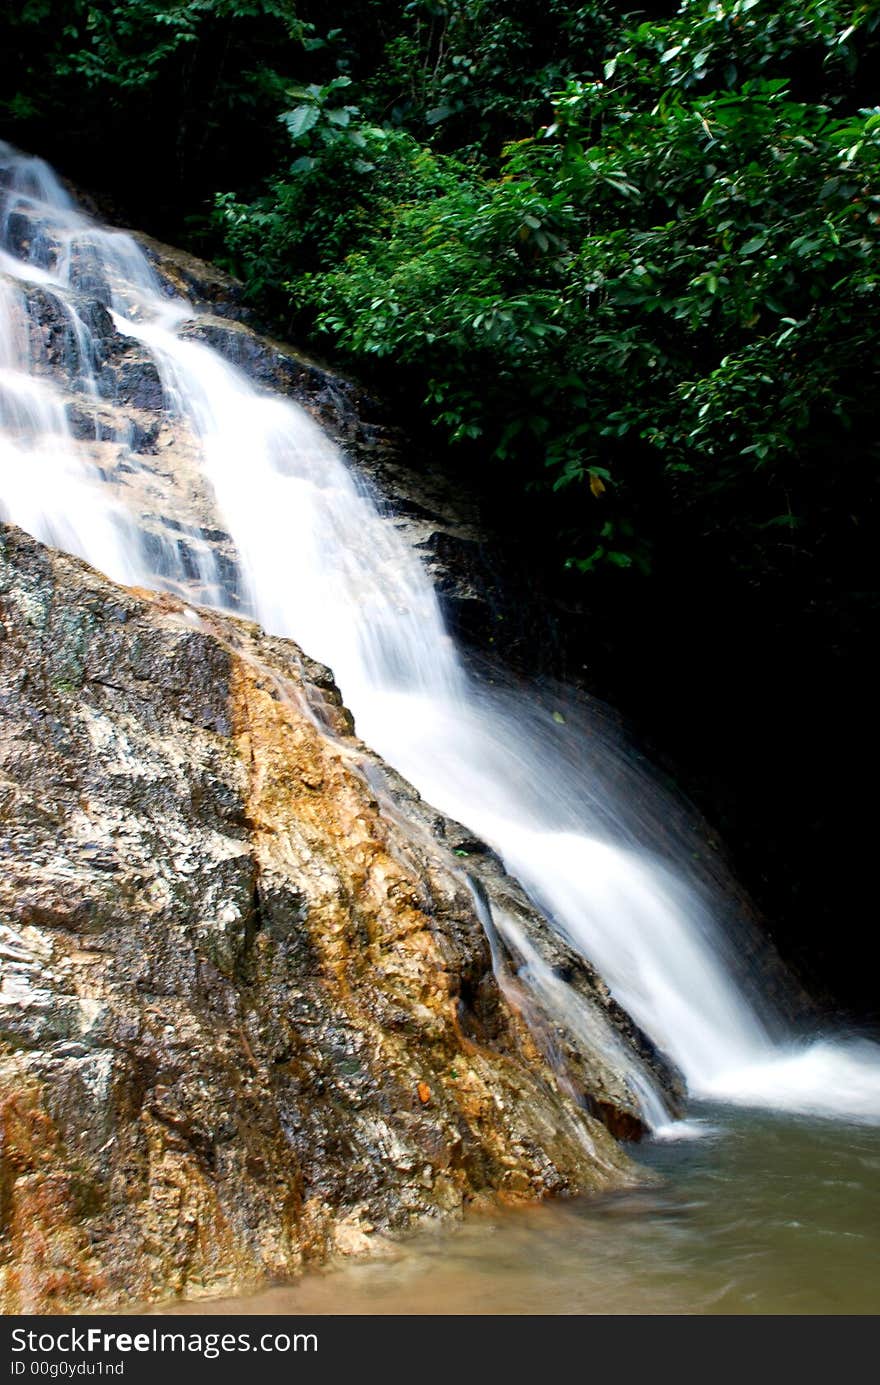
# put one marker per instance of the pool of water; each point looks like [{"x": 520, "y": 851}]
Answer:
[{"x": 757, "y": 1214}]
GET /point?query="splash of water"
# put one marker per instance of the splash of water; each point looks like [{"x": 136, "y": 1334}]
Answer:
[{"x": 315, "y": 560}]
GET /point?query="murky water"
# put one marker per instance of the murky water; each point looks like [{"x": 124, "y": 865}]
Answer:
[{"x": 764, "y": 1214}]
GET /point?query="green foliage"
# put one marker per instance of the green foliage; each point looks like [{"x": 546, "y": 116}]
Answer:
[
  {"x": 119, "y": 46},
  {"x": 346, "y": 176},
  {"x": 632, "y": 262},
  {"x": 474, "y": 73},
  {"x": 716, "y": 45},
  {"x": 683, "y": 290},
  {"x": 149, "y": 97}
]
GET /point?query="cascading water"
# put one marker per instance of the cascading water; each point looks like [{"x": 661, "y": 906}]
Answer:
[{"x": 315, "y": 560}]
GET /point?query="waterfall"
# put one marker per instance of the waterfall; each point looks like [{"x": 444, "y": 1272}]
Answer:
[{"x": 315, "y": 560}]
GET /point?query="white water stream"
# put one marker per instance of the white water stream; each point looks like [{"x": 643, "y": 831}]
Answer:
[{"x": 319, "y": 563}]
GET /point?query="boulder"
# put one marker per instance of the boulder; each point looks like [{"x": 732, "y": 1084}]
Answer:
[{"x": 249, "y": 1015}]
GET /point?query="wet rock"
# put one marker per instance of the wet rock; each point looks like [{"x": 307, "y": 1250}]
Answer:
[
  {"x": 133, "y": 382},
  {"x": 248, "y": 1013},
  {"x": 185, "y": 276}
]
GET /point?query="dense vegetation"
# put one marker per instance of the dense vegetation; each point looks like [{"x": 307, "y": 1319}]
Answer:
[
  {"x": 628, "y": 264},
  {"x": 634, "y": 263}
]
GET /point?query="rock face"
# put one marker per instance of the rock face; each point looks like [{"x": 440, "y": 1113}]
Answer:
[{"x": 248, "y": 1013}]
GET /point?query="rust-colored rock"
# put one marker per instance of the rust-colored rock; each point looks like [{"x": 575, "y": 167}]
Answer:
[{"x": 247, "y": 1015}]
